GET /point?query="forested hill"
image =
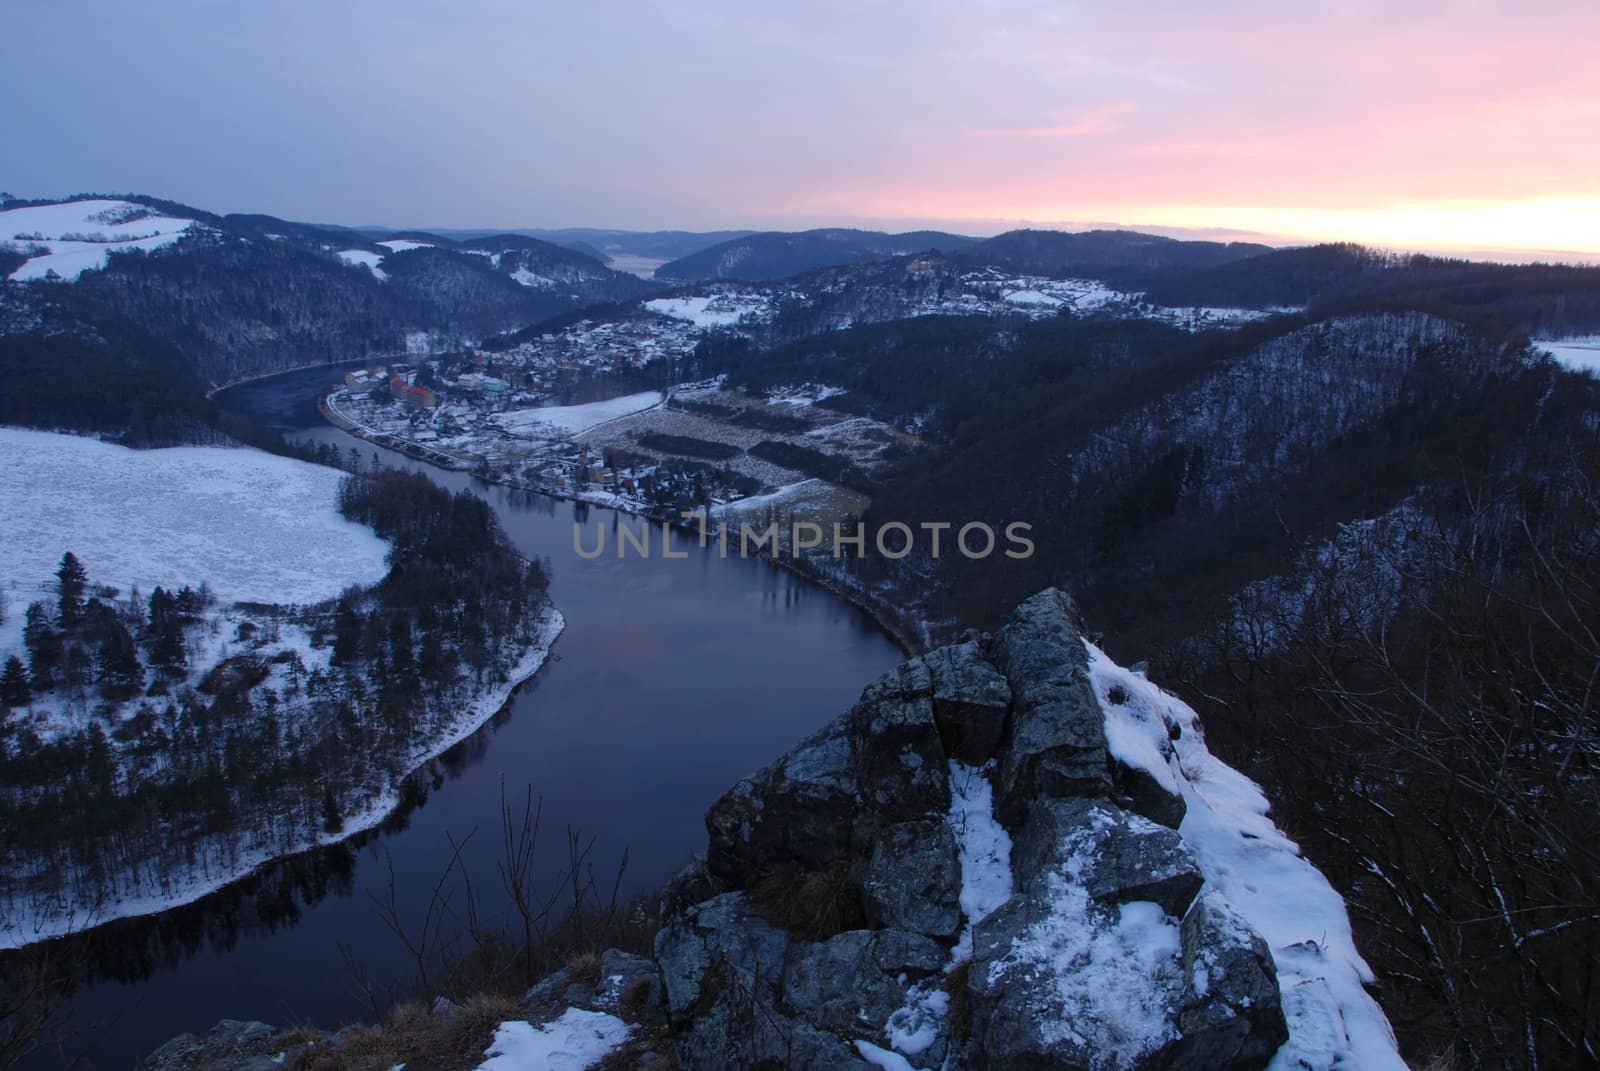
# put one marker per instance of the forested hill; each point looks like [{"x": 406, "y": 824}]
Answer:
[
  {"x": 781, "y": 254},
  {"x": 225, "y": 298},
  {"x": 1544, "y": 299},
  {"x": 1101, "y": 253}
]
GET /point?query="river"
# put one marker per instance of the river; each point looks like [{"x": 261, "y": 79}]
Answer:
[{"x": 674, "y": 678}]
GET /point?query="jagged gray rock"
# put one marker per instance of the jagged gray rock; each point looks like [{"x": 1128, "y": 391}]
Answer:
[
  {"x": 971, "y": 701},
  {"x": 630, "y": 984},
  {"x": 548, "y": 989},
  {"x": 1122, "y": 856},
  {"x": 798, "y": 809},
  {"x": 234, "y": 1044},
  {"x": 913, "y": 881},
  {"x": 1055, "y": 740},
  {"x": 722, "y": 966},
  {"x": 1136, "y": 790},
  {"x": 839, "y": 985},
  {"x": 895, "y": 740},
  {"x": 1232, "y": 1016},
  {"x": 826, "y": 800}
]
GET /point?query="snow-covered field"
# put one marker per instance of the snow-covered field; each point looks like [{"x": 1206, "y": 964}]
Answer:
[
  {"x": 251, "y": 526},
  {"x": 78, "y": 236},
  {"x": 1581, "y": 353},
  {"x": 563, "y": 420},
  {"x": 359, "y": 258},
  {"x": 722, "y": 309},
  {"x": 402, "y": 245}
]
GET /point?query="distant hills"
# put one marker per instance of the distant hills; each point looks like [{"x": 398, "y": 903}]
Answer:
[
  {"x": 606, "y": 243},
  {"x": 1096, "y": 253},
  {"x": 781, "y": 254}
]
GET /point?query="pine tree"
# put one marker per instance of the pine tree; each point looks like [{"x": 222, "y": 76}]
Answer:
[
  {"x": 346, "y": 635},
  {"x": 164, "y": 635},
  {"x": 44, "y": 646},
  {"x": 72, "y": 581},
  {"x": 14, "y": 690},
  {"x": 121, "y": 675},
  {"x": 331, "y": 822}
]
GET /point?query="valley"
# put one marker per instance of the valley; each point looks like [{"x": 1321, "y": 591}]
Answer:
[{"x": 1238, "y": 460}]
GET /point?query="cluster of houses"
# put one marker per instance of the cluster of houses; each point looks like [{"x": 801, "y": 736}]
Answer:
[{"x": 400, "y": 384}]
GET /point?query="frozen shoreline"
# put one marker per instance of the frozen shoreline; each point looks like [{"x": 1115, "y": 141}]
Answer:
[{"x": 15, "y": 933}]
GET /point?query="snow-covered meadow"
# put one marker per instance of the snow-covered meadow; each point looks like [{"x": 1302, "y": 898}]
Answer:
[
  {"x": 251, "y": 526},
  {"x": 723, "y": 308},
  {"x": 564, "y": 420},
  {"x": 1580, "y": 353},
  {"x": 78, "y": 236}
]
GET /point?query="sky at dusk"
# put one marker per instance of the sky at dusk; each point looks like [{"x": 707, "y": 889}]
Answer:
[{"x": 1472, "y": 125}]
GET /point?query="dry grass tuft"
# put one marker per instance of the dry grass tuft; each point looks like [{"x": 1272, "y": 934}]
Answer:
[
  {"x": 812, "y": 904},
  {"x": 960, "y": 1015}
]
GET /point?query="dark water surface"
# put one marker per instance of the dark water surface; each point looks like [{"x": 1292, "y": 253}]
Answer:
[{"x": 673, "y": 679}]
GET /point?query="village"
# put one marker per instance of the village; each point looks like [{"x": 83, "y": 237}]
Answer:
[{"x": 517, "y": 412}]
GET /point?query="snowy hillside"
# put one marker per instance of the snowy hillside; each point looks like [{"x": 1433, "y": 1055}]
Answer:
[
  {"x": 251, "y": 526},
  {"x": 65, "y": 240}
]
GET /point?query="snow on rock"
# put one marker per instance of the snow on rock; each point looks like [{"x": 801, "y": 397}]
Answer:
[
  {"x": 983, "y": 847},
  {"x": 252, "y": 526},
  {"x": 576, "y": 1040},
  {"x": 1113, "y": 975},
  {"x": 71, "y": 238},
  {"x": 1333, "y": 1021},
  {"x": 565, "y": 420}
]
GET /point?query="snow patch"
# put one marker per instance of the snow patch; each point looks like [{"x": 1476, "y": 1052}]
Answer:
[
  {"x": 362, "y": 258},
  {"x": 578, "y": 1039},
  {"x": 983, "y": 847}
]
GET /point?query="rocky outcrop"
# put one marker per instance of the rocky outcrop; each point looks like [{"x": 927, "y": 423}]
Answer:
[
  {"x": 1108, "y": 954},
  {"x": 977, "y": 867},
  {"x": 233, "y": 1044}
]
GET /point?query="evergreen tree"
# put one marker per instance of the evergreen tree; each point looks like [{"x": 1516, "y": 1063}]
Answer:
[
  {"x": 14, "y": 690},
  {"x": 121, "y": 675},
  {"x": 331, "y": 822},
  {"x": 346, "y": 635},
  {"x": 164, "y": 635},
  {"x": 44, "y": 646},
  {"x": 72, "y": 581}
]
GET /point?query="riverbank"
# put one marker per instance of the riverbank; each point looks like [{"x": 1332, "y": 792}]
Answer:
[
  {"x": 204, "y": 879},
  {"x": 902, "y": 633},
  {"x": 383, "y": 358}
]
